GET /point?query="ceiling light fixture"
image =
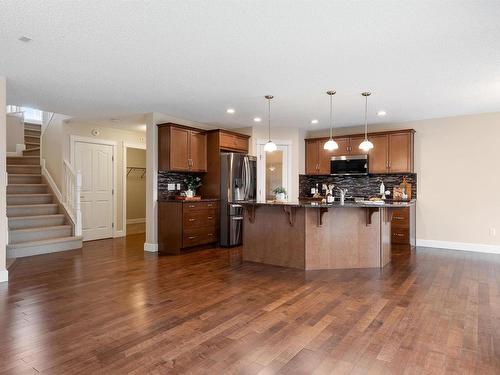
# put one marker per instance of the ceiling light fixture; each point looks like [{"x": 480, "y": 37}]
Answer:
[
  {"x": 331, "y": 145},
  {"x": 230, "y": 110},
  {"x": 314, "y": 121},
  {"x": 25, "y": 39},
  {"x": 257, "y": 119},
  {"x": 381, "y": 113},
  {"x": 366, "y": 145},
  {"x": 270, "y": 146}
]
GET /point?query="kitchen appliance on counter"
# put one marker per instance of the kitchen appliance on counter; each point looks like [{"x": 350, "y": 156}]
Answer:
[
  {"x": 350, "y": 165},
  {"x": 238, "y": 177}
]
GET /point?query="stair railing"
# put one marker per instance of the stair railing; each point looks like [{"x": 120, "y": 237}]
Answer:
[{"x": 71, "y": 195}]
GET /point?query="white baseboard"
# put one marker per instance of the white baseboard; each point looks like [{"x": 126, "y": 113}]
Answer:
[
  {"x": 136, "y": 221},
  {"x": 463, "y": 246},
  {"x": 151, "y": 247},
  {"x": 119, "y": 233},
  {"x": 4, "y": 276}
]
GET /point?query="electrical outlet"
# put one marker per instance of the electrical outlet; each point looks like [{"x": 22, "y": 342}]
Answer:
[
  {"x": 178, "y": 186},
  {"x": 493, "y": 232},
  {"x": 171, "y": 187}
]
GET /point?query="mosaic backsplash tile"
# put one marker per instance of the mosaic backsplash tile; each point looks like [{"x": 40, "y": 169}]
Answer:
[
  {"x": 357, "y": 186},
  {"x": 165, "y": 178}
]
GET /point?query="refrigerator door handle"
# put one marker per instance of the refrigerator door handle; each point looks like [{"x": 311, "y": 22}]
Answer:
[
  {"x": 237, "y": 218},
  {"x": 246, "y": 174}
]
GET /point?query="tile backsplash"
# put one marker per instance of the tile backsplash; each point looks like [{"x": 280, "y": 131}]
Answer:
[
  {"x": 357, "y": 186},
  {"x": 165, "y": 178}
]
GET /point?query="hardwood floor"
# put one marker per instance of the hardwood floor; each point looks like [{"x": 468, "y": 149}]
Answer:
[{"x": 113, "y": 309}]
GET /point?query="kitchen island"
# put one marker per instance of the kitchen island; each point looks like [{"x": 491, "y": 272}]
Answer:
[{"x": 315, "y": 236}]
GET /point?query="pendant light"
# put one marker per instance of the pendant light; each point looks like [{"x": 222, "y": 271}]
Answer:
[
  {"x": 366, "y": 145},
  {"x": 270, "y": 146},
  {"x": 331, "y": 145}
]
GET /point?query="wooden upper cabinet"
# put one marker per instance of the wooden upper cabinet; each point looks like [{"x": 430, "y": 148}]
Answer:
[
  {"x": 312, "y": 157},
  {"x": 181, "y": 149},
  {"x": 233, "y": 141},
  {"x": 392, "y": 152},
  {"x": 378, "y": 155},
  {"x": 400, "y": 151},
  {"x": 355, "y": 142},
  {"x": 198, "y": 149}
]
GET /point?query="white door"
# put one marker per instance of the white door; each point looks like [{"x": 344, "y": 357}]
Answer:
[
  {"x": 273, "y": 170},
  {"x": 95, "y": 162}
]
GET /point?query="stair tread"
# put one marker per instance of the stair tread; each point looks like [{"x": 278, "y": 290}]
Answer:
[
  {"x": 31, "y": 205},
  {"x": 26, "y": 184},
  {"x": 31, "y": 143},
  {"x": 24, "y": 165},
  {"x": 35, "y": 217},
  {"x": 35, "y": 229},
  {"x": 28, "y": 194},
  {"x": 47, "y": 241},
  {"x": 24, "y": 175}
]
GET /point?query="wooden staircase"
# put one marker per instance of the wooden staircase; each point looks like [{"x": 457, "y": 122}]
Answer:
[{"x": 37, "y": 222}]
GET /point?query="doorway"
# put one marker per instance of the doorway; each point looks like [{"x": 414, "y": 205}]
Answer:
[
  {"x": 95, "y": 160},
  {"x": 134, "y": 205},
  {"x": 273, "y": 170}
]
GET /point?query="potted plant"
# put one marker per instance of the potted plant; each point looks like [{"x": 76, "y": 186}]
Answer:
[
  {"x": 280, "y": 193},
  {"x": 192, "y": 183}
]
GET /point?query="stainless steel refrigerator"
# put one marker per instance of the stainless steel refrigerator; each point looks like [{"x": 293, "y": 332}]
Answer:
[{"x": 238, "y": 176}]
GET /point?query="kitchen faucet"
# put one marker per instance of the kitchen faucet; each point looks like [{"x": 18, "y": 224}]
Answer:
[{"x": 343, "y": 192}]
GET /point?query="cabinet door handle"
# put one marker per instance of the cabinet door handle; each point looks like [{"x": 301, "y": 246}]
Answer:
[
  {"x": 191, "y": 237},
  {"x": 191, "y": 219},
  {"x": 399, "y": 234},
  {"x": 210, "y": 235},
  {"x": 209, "y": 205},
  {"x": 398, "y": 218},
  {"x": 210, "y": 218},
  {"x": 192, "y": 206}
]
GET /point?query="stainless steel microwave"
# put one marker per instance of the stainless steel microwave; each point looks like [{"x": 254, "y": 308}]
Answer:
[{"x": 354, "y": 165}]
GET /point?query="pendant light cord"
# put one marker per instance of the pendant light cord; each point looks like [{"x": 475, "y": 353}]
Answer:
[
  {"x": 366, "y": 117},
  {"x": 331, "y": 111}
]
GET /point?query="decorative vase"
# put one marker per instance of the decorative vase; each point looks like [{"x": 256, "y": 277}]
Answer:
[
  {"x": 280, "y": 196},
  {"x": 189, "y": 193}
]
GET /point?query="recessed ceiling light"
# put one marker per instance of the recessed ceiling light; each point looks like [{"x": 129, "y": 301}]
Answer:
[
  {"x": 314, "y": 121},
  {"x": 257, "y": 119},
  {"x": 230, "y": 110},
  {"x": 381, "y": 113},
  {"x": 25, "y": 39}
]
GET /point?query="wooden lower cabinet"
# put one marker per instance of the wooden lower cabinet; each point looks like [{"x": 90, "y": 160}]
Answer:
[
  {"x": 403, "y": 227},
  {"x": 183, "y": 225}
]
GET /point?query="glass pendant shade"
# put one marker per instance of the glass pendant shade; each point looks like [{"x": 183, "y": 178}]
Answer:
[
  {"x": 270, "y": 146},
  {"x": 330, "y": 145},
  {"x": 366, "y": 145}
]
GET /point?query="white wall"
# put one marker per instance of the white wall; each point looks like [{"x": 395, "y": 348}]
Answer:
[
  {"x": 56, "y": 147},
  {"x": 3, "y": 181},
  {"x": 457, "y": 160}
]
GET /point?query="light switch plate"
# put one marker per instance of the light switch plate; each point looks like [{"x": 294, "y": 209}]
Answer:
[
  {"x": 171, "y": 187},
  {"x": 178, "y": 186}
]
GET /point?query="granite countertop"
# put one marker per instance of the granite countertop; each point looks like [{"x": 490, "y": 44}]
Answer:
[
  {"x": 364, "y": 204},
  {"x": 189, "y": 201}
]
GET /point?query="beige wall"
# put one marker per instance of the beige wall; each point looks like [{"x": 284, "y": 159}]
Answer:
[
  {"x": 136, "y": 184},
  {"x": 56, "y": 147},
  {"x": 295, "y": 137},
  {"x": 15, "y": 132},
  {"x": 3, "y": 181},
  {"x": 457, "y": 160}
]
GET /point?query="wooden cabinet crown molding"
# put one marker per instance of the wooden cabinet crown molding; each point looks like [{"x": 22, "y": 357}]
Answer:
[{"x": 362, "y": 135}]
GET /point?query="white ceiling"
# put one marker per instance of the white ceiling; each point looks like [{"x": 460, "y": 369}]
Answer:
[{"x": 194, "y": 59}]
